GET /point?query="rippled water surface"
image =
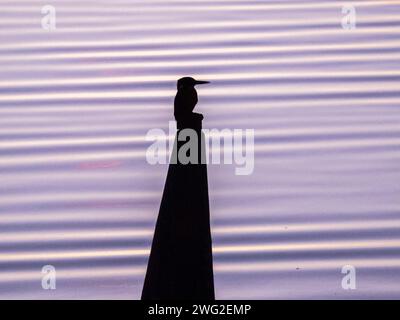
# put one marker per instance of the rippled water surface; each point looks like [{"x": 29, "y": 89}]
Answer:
[{"x": 77, "y": 102}]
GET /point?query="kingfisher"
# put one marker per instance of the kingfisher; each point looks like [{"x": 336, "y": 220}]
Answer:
[{"x": 186, "y": 97}]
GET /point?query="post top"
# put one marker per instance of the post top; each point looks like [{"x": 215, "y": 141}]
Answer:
[{"x": 192, "y": 121}]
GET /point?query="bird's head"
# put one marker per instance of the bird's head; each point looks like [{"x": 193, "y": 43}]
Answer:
[{"x": 188, "y": 82}]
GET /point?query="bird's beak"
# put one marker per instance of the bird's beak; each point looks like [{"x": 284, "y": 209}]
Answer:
[{"x": 201, "y": 82}]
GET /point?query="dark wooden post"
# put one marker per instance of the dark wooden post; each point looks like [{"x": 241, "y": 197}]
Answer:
[{"x": 180, "y": 264}]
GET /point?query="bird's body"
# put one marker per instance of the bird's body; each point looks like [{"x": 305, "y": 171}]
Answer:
[
  {"x": 185, "y": 101},
  {"x": 186, "y": 98}
]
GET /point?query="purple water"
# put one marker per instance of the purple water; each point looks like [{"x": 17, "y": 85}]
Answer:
[{"x": 76, "y": 104}]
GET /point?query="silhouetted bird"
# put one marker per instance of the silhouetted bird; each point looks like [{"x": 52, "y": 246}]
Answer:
[{"x": 186, "y": 98}]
